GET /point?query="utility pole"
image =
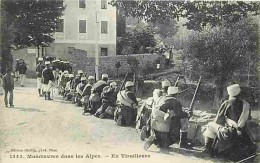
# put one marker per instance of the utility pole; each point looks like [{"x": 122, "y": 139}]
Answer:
[{"x": 96, "y": 41}]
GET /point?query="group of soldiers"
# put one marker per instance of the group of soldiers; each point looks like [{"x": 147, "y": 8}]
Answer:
[
  {"x": 161, "y": 119},
  {"x": 163, "y": 122}
]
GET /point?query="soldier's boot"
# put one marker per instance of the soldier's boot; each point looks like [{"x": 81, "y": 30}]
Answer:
[
  {"x": 149, "y": 142},
  {"x": 208, "y": 146},
  {"x": 39, "y": 90},
  {"x": 49, "y": 96},
  {"x": 184, "y": 141},
  {"x": 45, "y": 96}
]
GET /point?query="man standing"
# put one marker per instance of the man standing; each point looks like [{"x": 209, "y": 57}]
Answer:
[
  {"x": 126, "y": 111},
  {"x": 39, "y": 69},
  {"x": 22, "y": 71},
  {"x": 8, "y": 85},
  {"x": 48, "y": 79},
  {"x": 230, "y": 121},
  {"x": 17, "y": 69}
]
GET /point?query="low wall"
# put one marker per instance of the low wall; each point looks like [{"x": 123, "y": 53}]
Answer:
[
  {"x": 107, "y": 63},
  {"x": 87, "y": 62}
]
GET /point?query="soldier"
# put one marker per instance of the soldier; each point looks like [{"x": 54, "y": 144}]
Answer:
[
  {"x": 67, "y": 66},
  {"x": 79, "y": 91},
  {"x": 48, "y": 80},
  {"x": 86, "y": 93},
  {"x": 17, "y": 69},
  {"x": 8, "y": 85},
  {"x": 108, "y": 96},
  {"x": 95, "y": 99},
  {"x": 230, "y": 121},
  {"x": 165, "y": 85},
  {"x": 39, "y": 69},
  {"x": 125, "y": 113},
  {"x": 64, "y": 78},
  {"x": 166, "y": 120},
  {"x": 22, "y": 71},
  {"x": 69, "y": 90}
]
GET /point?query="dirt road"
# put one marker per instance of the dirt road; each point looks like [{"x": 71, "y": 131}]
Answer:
[{"x": 38, "y": 128}]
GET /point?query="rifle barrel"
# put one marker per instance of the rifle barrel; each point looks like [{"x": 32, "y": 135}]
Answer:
[{"x": 194, "y": 96}]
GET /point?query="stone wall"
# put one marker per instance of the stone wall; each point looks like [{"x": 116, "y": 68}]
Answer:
[
  {"x": 85, "y": 62},
  {"x": 107, "y": 63}
]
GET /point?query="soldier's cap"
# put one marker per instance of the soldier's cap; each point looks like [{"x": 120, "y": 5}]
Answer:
[
  {"x": 233, "y": 90},
  {"x": 61, "y": 61},
  {"x": 66, "y": 72},
  {"x": 47, "y": 62},
  {"x": 166, "y": 83},
  {"x": 77, "y": 75},
  {"x": 71, "y": 75},
  {"x": 113, "y": 84},
  {"x": 57, "y": 60},
  {"x": 60, "y": 71},
  {"x": 129, "y": 84},
  {"x": 8, "y": 70},
  {"x": 83, "y": 78},
  {"x": 104, "y": 76},
  {"x": 80, "y": 72},
  {"x": 91, "y": 78},
  {"x": 17, "y": 59},
  {"x": 40, "y": 59},
  {"x": 173, "y": 90}
]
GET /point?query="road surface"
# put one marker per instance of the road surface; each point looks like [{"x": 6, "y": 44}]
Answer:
[{"x": 55, "y": 131}]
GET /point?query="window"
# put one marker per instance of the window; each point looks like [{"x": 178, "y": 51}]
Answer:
[
  {"x": 60, "y": 25},
  {"x": 103, "y": 51},
  {"x": 104, "y": 27},
  {"x": 103, "y": 4},
  {"x": 82, "y": 26},
  {"x": 82, "y": 3}
]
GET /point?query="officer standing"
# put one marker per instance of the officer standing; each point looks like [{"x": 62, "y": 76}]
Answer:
[
  {"x": 48, "y": 79},
  {"x": 39, "y": 69}
]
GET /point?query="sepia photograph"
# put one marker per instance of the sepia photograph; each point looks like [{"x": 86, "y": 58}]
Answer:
[{"x": 147, "y": 81}]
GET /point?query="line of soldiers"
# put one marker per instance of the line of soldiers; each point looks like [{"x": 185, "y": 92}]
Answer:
[
  {"x": 162, "y": 121},
  {"x": 47, "y": 73}
]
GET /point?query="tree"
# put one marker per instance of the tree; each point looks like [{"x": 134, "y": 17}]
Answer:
[
  {"x": 165, "y": 30},
  {"x": 33, "y": 22},
  {"x": 220, "y": 51},
  {"x": 36, "y": 20},
  {"x": 133, "y": 41},
  {"x": 199, "y": 13}
]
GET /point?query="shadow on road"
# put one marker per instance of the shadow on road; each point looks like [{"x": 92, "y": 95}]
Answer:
[
  {"x": 185, "y": 152},
  {"x": 28, "y": 109}
]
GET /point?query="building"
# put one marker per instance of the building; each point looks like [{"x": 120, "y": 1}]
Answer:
[{"x": 79, "y": 32}]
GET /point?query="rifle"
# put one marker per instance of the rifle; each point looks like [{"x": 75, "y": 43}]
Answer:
[
  {"x": 177, "y": 81},
  {"x": 194, "y": 97},
  {"x": 123, "y": 83}
]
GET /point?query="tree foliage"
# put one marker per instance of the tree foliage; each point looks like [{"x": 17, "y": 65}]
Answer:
[
  {"x": 221, "y": 51},
  {"x": 135, "y": 42},
  {"x": 198, "y": 13},
  {"x": 34, "y": 21}
]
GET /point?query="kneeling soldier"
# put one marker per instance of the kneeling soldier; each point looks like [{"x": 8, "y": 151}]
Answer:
[
  {"x": 126, "y": 110},
  {"x": 230, "y": 121}
]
